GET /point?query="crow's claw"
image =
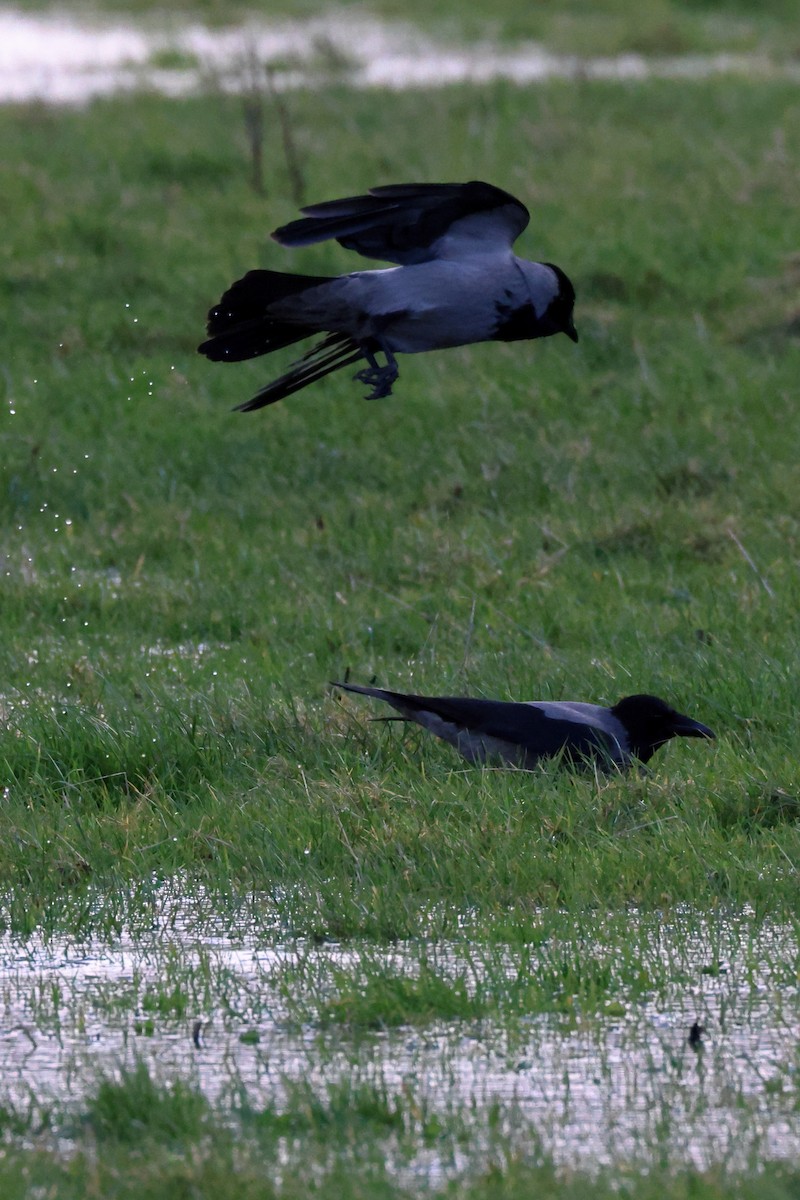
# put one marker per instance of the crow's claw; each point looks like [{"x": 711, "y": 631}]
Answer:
[{"x": 380, "y": 379}]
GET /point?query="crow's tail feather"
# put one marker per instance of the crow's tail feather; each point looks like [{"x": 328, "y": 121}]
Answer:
[
  {"x": 405, "y": 703},
  {"x": 239, "y": 326}
]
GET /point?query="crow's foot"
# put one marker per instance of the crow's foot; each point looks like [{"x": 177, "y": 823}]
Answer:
[{"x": 380, "y": 379}]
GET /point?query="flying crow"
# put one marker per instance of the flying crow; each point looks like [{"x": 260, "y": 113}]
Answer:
[
  {"x": 457, "y": 281},
  {"x": 522, "y": 734}
]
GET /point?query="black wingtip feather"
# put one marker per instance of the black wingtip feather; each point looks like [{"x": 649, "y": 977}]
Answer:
[{"x": 331, "y": 354}]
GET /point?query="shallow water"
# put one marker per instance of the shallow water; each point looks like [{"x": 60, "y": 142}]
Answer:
[
  {"x": 59, "y": 59},
  {"x": 593, "y": 1090}
]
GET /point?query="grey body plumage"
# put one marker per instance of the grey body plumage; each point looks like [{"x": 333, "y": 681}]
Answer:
[
  {"x": 522, "y": 734},
  {"x": 456, "y": 281}
]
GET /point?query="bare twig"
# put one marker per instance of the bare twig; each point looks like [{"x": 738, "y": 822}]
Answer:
[
  {"x": 260, "y": 81},
  {"x": 253, "y": 112},
  {"x": 294, "y": 170}
]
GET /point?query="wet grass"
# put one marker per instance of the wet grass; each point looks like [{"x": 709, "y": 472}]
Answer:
[
  {"x": 377, "y": 996},
  {"x": 582, "y": 967},
  {"x": 180, "y": 584},
  {"x": 378, "y": 835},
  {"x": 422, "y": 1064},
  {"x": 135, "y": 1108},
  {"x": 346, "y": 1139},
  {"x": 581, "y": 971}
]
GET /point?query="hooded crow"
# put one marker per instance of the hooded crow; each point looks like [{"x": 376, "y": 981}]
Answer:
[
  {"x": 523, "y": 734},
  {"x": 456, "y": 282}
]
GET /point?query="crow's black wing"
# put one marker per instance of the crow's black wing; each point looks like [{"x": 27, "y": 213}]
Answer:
[
  {"x": 405, "y": 223},
  {"x": 537, "y": 733}
]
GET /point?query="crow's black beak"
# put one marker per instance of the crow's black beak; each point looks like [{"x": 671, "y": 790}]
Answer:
[
  {"x": 571, "y": 332},
  {"x": 686, "y": 727}
]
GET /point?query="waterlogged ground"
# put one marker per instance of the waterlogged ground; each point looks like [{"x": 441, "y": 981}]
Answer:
[
  {"x": 600, "y": 1081},
  {"x": 391, "y": 957},
  {"x": 59, "y": 59}
]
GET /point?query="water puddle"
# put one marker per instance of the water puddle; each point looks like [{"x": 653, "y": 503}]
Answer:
[
  {"x": 224, "y": 1009},
  {"x": 58, "y": 59}
]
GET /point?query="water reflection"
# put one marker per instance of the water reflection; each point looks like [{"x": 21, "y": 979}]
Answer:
[
  {"x": 61, "y": 60},
  {"x": 595, "y": 1090}
]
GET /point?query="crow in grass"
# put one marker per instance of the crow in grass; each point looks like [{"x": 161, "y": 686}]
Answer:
[
  {"x": 457, "y": 281},
  {"x": 523, "y": 734}
]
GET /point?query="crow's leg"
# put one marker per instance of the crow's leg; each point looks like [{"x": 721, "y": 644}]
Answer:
[{"x": 380, "y": 379}]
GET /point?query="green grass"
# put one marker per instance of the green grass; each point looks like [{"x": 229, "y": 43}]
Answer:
[
  {"x": 521, "y": 521},
  {"x": 554, "y": 979},
  {"x": 577, "y": 970},
  {"x": 180, "y": 583},
  {"x": 135, "y": 1108}
]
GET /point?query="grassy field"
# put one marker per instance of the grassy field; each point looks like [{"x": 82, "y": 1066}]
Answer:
[{"x": 522, "y": 521}]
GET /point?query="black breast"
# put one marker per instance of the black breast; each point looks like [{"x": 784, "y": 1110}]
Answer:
[{"x": 515, "y": 324}]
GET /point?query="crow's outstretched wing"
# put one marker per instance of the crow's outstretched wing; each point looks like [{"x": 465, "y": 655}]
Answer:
[{"x": 407, "y": 223}]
